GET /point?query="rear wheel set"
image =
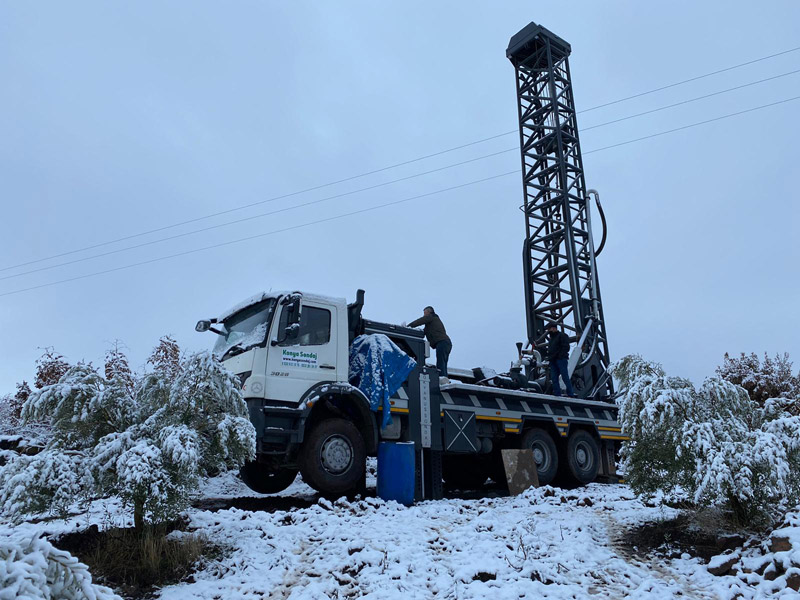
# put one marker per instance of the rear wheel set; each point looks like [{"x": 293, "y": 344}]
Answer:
[
  {"x": 575, "y": 462},
  {"x": 582, "y": 458},
  {"x": 545, "y": 454}
]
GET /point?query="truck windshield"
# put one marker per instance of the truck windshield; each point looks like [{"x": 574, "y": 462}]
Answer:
[{"x": 245, "y": 329}]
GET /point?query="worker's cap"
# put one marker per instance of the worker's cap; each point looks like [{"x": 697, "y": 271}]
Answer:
[{"x": 551, "y": 326}]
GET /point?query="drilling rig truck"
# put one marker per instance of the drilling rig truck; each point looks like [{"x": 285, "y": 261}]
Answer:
[{"x": 290, "y": 350}]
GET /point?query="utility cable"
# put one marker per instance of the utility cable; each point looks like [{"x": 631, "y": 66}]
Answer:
[
  {"x": 386, "y": 168},
  {"x": 660, "y": 133},
  {"x": 677, "y": 83},
  {"x": 711, "y": 95},
  {"x": 395, "y": 202},
  {"x": 252, "y": 217},
  {"x": 273, "y": 232},
  {"x": 372, "y": 187}
]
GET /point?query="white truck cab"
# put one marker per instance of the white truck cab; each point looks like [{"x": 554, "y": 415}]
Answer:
[
  {"x": 290, "y": 351},
  {"x": 281, "y": 343}
]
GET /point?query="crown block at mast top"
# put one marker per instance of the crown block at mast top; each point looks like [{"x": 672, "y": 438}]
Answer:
[{"x": 529, "y": 41}]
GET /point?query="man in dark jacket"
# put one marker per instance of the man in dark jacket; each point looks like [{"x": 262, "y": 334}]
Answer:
[
  {"x": 558, "y": 355},
  {"x": 437, "y": 337}
]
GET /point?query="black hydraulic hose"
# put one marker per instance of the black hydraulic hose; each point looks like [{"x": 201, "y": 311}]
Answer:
[
  {"x": 605, "y": 227},
  {"x": 589, "y": 354}
]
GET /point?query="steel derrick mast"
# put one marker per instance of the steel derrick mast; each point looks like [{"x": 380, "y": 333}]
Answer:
[{"x": 560, "y": 274}]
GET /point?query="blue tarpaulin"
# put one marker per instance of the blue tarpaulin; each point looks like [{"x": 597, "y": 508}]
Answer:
[{"x": 378, "y": 367}]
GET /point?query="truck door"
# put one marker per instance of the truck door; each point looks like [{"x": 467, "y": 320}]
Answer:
[{"x": 306, "y": 356}]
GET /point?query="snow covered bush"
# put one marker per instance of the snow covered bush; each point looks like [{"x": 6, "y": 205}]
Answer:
[
  {"x": 713, "y": 446},
  {"x": 117, "y": 367},
  {"x": 26, "y": 436},
  {"x": 205, "y": 399},
  {"x": 11, "y": 407},
  {"x": 8, "y": 418},
  {"x": 52, "y": 481},
  {"x": 50, "y": 366},
  {"x": 150, "y": 445},
  {"x": 35, "y": 569},
  {"x": 191, "y": 427},
  {"x": 82, "y": 407},
  {"x": 772, "y": 378},
  {"x": 166, "y": 357}
]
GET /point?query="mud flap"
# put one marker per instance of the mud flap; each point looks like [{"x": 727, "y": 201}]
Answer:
[{"x": 520, "y": 469}]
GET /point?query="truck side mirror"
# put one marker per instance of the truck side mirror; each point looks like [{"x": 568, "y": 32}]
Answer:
[
  {"x": 293, "y": 319},
  {"x": 291, "y": 306},
  {"x": 207, "y": 326}
]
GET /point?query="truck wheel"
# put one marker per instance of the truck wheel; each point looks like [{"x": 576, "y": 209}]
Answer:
[
  {"x": 465, "y": 472},
  {"x": 265, "y": 481},
  {"x": 333, "y": 458},
  {"x": 583, "y": 457},
  {"x": 544, "y": 454}
]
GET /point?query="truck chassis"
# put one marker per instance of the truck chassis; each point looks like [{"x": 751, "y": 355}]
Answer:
[{"x": 458, "y": 430}]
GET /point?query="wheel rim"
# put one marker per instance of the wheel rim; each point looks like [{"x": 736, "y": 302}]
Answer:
[
  {"x": 336, "y": 454},
  {"x": 584, "y": 457},
  {"x": 541, "y": 455}
]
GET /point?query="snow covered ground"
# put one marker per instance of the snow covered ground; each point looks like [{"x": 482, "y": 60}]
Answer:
[{"x": 547, "y": 542}]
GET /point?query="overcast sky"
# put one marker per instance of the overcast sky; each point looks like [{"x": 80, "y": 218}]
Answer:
[{"x": 120, "y": 118}]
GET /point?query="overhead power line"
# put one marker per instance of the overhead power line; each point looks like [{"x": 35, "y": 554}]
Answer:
[
  {"x": 698, "y": 77},
  {"x": 261, "y": 215},
  {"x": 682, "y": 102},
  {"x": 386, "y": 168},
  {"x": 268, "y": 233},
  {"x": 660, "y": 133},
  {"x": 395, "y": 202},
  {"x": 378, "y": 185}
]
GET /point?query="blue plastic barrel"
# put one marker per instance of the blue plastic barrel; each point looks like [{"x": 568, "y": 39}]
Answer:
[{"x": 396, "y": 472}]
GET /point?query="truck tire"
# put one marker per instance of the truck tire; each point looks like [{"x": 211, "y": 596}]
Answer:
[
  {"x": 333, "y": 457},
  {"x": 544, "y": 454},
  {"x": 583, "y": 457},
  {"x": 467, "y": 472},
  {"x": 265, "y": 481}
]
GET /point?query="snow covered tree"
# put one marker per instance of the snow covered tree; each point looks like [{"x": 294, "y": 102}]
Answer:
[
  {"x": 23, "y": 391},
  {"x": 117, "y": 367},
  {"x": 206, "y": 398},
  {"x": 50, "y": 366},
  {"x": 166, "y": 358},
  {"x": 772, "y": 378},
  {"x": 150, "y": 447},
  {"x": 50, "y": 481},
  {"x": 8, "y": 420},
  {"x": 34, "y": 569},
  {"x": 11, "y": 414},
  {"x": 712, "y": 445},
  {"x": 195, "y": 426},
  {"x": 82, "y": 407},
  {"x": 18, "y": 399}
]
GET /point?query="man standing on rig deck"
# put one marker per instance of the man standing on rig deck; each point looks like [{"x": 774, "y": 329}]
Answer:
[
  {"x": 437, "y": 337},
  {"x": 558, "y": 355}
]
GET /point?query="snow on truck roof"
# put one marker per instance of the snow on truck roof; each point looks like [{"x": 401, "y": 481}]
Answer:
[{"x": 256, "y": 298}]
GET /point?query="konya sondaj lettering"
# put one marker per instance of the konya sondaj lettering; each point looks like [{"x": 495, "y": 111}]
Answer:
[{"x": 299, "y": 354}]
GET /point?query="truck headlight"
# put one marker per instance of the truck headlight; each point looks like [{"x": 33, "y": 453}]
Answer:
[{"x": 242, "y": 377}]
